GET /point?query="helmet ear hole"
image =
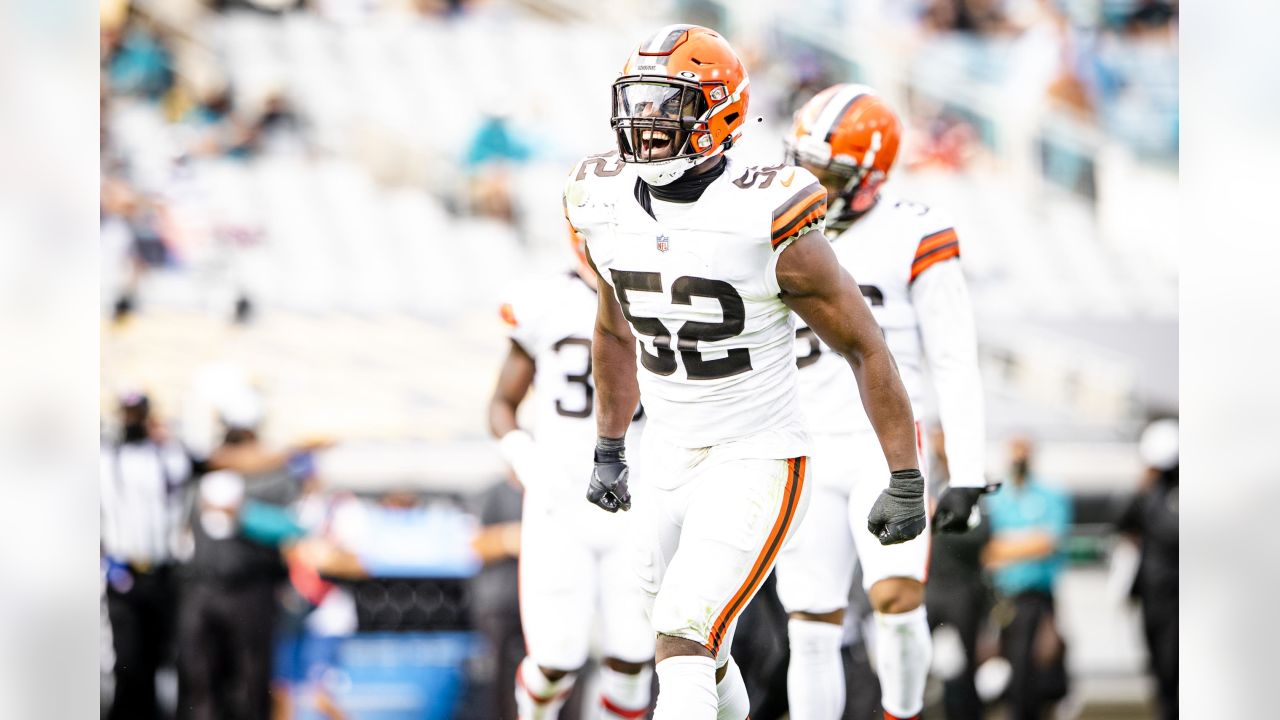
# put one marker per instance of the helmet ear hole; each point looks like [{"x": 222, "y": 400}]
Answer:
[{"x": 731, "y": 118}]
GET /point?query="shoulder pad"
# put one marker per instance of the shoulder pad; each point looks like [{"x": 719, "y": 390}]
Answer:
[
  {"x": 581, "y": 188},
  {"x": 799, "y": 204}
]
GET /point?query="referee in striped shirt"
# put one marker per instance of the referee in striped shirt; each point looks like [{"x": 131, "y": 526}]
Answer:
[{"x": 143, "y": 475}]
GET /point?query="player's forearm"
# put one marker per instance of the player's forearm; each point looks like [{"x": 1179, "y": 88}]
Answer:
[
  {"x": 613, "y": 363},
  {"x": 502, "y": 417},
  {"x": 248, "y": 460},
  {"x": 887, "y": 405}
]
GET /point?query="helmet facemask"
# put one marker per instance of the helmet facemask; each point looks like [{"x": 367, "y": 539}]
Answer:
[{"x": 661, "y": 125}]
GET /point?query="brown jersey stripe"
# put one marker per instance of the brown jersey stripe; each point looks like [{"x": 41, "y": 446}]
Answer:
[
  {"x": 764, "y": 562},
  {"x": 780, "y": 222},
  {"x": 942, "y": 237},
  {"x": 806, "y": 195},
  {"x": 808, "y": 220},
  {"x": 935, "y": 256},
  {"x": 925, "y": 256},
  {"x": 814, "y": 213}
]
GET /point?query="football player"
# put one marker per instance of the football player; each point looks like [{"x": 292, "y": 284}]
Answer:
[
  {"x": 907, "y": 257},
  {"x": 572, "y": 571},
  {"x": 702, "y": 263}
]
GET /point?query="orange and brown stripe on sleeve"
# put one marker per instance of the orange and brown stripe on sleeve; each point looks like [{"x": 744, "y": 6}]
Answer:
[
  {"x": 933, "y": 249},
  {"x": 803, "y": 209},
  {"x": 768, "y": 554}
]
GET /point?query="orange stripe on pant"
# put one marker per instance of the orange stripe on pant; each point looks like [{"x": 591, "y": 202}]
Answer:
[{"x": 772, "y": 544}]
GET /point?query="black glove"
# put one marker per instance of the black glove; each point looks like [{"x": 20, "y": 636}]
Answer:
[
  {"x": 608, "y": 488},
  {"x": 956, "y": 506},
  {"x": 898, "y": 514}
]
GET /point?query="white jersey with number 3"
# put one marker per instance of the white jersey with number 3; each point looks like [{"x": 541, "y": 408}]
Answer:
[
  {"x": 552, "y": 320},
  {"x": 698, "y": 286}
]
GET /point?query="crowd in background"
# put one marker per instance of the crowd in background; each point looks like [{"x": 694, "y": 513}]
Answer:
[
  {"x": 220, "y": 558},
  {"x": 1117, "y": 65}
]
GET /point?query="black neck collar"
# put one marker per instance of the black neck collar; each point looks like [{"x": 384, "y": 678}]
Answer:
[{"x": 685, "y": 189}]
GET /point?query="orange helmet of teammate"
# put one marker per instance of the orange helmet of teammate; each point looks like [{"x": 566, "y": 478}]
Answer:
[
  {"x": 681, "y": 99},
  {"x": 848, "y": 136}
]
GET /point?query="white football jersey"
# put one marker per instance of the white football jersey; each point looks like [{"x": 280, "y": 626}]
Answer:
[
  {"x": 552, "y": 320},
  {"x": 885, "y": 251},
  {"x": 715, "y": 358}
]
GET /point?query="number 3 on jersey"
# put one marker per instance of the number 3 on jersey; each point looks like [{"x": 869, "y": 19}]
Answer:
[
  {"x": 683, "y": 290},
  {"x": 584, "y": 380}
]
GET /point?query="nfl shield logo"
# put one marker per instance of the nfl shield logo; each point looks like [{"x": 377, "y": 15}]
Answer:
[{"x": 664, "y": 243}]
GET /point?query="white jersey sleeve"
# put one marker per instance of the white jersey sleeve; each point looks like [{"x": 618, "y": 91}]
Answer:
[
  {"x": 699, "y": 289},
  {"x": 941, "y": 299}
]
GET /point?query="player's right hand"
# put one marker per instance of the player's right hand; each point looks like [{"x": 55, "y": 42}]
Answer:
[
  {"x": 898, "y": 514},
  {"x": 608, "y": 488}
]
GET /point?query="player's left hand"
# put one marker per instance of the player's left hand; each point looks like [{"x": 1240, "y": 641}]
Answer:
[
  {"x": 608, "y": 488},
  {"x": 898, "y": 514},
  {"x": 957, "y": 509}
]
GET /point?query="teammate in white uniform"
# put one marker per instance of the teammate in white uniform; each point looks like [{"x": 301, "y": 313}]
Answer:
[
  {"x": 705, "y": 261},
  {"x": 572, "y": 571},
  {"x": 906, "y": 257}
]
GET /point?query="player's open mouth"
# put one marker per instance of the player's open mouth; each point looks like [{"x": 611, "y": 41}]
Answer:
[{"x": 655, "y": 143}]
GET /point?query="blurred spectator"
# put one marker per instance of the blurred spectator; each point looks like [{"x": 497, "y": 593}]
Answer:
[
  {"x": 494, "y": 148},
  {"x": 312, "y": 605},
  {"x": 495, "y": 141},
  {"x": 1029, "y": 522},
  {"x": 138, "y": 63},
  {"x": 132, "y": 226},
  {"x": 227, "y": 618},
  {"x": 272, "y": 475},
  {"x": 981, "y": 17},
  {"x": 495, "y": 606},
  {"x": 957, "y": 598},
  {"x": 142, "y": 476},
  {"x": 1135, "y": 74},
  {"x": 217, "y": 129},
  {"x": 1152, "y": 521}
]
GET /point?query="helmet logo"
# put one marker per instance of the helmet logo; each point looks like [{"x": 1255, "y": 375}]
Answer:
[
  {"x": 663, "y": 243},
  {"x": 689, "y": 74},
  {"x": 717, "y": 93},
  {"x": 870, "y": 157}
]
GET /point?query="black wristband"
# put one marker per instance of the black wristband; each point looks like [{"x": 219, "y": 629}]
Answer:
[{"x": 611, "y": 449}]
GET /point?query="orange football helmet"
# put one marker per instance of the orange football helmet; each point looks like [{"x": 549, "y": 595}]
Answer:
[
  {"x": 680, "y": 99},
  {"x": 848, "y": 136}
]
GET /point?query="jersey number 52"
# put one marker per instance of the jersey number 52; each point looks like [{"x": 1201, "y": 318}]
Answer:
[{"x": 683, "y": 290}]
